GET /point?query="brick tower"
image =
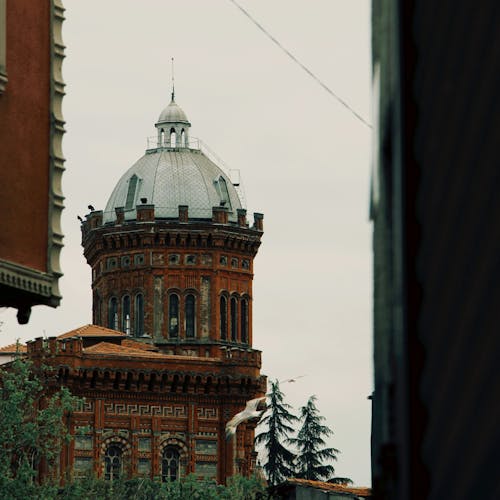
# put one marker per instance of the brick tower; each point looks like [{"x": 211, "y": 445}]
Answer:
[{"x": 172, "y": 267}]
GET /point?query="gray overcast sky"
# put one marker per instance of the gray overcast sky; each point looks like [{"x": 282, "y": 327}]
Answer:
[{"x": 303, "y": 158}]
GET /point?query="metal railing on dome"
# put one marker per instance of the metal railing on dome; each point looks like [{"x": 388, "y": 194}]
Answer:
[{"x": 196, "y": 144}]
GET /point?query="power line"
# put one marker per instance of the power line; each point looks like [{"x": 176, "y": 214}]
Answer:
[{"x": 294, "y": 59}]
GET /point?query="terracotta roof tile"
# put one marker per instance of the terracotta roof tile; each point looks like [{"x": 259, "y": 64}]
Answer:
[
  {"x": 12, "y": 348},
  {"x": 134, "y": 344},
  {"x": 320, "y": 485},
  {"x": 91, "y": 331},
  {"x": 119, "y": 350}
]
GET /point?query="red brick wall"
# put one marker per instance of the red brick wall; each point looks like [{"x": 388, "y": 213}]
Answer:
[{"x": 24, "y": 135}]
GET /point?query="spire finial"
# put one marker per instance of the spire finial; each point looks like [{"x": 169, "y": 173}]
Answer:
[{"x": 173, "y": 87}]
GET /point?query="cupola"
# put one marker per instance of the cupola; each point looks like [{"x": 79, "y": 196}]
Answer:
[{"x": 173, "y": 126}]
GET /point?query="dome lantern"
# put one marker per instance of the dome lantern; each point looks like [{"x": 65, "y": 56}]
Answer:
[{"x": 173, "y": 126}]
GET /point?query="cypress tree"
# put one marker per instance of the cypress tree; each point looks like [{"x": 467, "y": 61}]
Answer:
[
  {"x": 312, "y": 455},
  {"x": 277, "y": 420}
]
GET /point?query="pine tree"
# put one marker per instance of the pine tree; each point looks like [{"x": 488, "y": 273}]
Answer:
[
  {"x": 31, "y": 426},
  {"x": 277, "y": 420},
  {"x": 312, "y": 455}
]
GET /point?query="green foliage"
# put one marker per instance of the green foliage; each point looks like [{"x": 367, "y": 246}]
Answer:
[
  {"x": 277, "y": 421},
  {"x": 313, "y": 457},
  {"x": 31, "y": 428},
  {"x": 187, "y": 488}
]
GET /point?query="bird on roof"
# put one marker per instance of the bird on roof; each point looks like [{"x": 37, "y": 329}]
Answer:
[
  {"x": 79, "y": 218},
  {"x": 254, "y": 409},
  {"x": 91, "y": 208}
]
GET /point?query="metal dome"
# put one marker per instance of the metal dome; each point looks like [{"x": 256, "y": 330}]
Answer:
[
  {"x": 168, "y": 178},
  {"x": 173, "y": 114}
]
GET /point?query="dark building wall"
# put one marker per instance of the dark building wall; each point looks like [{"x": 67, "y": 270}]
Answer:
[
  {"x": 31, "y": 162},
  {"x": 436, "y": 294},
  {"x": 24, "y": 134}
]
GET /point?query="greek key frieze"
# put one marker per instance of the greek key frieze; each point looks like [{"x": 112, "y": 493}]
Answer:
[
  {"x": 177, "y": 411},
  {"x": 208, "y": 413},
  {"x": 85, "y": 406}
]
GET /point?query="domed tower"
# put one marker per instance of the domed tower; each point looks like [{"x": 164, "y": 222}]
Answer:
[{"x": 172, "y": 266}]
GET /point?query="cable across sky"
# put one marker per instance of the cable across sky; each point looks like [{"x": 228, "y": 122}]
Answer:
[{"x": 294, "y": 59}]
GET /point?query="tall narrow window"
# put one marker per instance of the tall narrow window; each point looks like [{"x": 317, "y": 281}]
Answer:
[
  {"x": 173, "y": 138},
  {"x": 234, "y": 319},
  {"x": 244, "y": 321},
  {"x": 223, "y": 318},
  {"x": 113, "y": 313},
  {"x": 132, "y": 188},
  {"x": 170, "y": 462},
  {"x": 126, "y": 314},
  {"x": 112, "y": 462},
  {"x": 183, "y": 138},
  {"x": 139, "y": 315},
  {"x": 224, "y": 193},
  {"x": 190, "y": 315},
  {"x": 173, "y": 316},
  {"x": 97, "y": 309}
]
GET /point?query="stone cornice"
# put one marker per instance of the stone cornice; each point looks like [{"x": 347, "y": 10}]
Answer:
[
  {"x": 56, "y": 159},
  {"x": 163, "y": 235}
]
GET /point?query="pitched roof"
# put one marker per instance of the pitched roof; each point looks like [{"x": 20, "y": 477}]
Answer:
[
  {"x": 13, "y": 348},
  {"x": 135, "y": 344},
  {"x": 120, "y": 350},
  {"x": 339, "y": 488},
  {"x": 91, "y": 331}
]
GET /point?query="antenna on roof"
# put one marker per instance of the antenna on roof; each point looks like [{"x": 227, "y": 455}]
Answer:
[{"x": 173, "y": 87}]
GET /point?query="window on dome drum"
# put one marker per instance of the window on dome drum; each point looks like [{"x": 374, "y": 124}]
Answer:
[
  {"x": 223, "y": 318},
  {"x": 139, "y": 315},
  {"x": 113, "y": 313},
  {"x": 170, "y": 464},
  {"x": 190, "y": 315},
  {"x": 126, "y": 314},
  {"x": 183, "y": 138},
  {"x": 173, "y": 138},
  {"x": 113, "y": 462},
  {"x": 234, "y": 319},
  {"x": 173, "y": 316},
  {"x": 132, "y": 188},
  {"x": 244, "y": 321},
  {"x": 224, "y": 193}
]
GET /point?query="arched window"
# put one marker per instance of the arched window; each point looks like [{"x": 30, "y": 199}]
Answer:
[
  {"x": 113, "y": 313},
  {"x": 183, "y": 138},
  {"x": 113, "y": 462},
  {"x": 223, "y": 318},
  {"x": 132, "y": 188},
  {"x": 173, "y": 138},
  {"x": 126, "y": 314},
  {"x": 234, "y": 319},
  {"x": 173, "y": 315},
  {"x": 139, "y": 315},
  {"x": 170, "y": 462},
  {"x": 244, "y": 321},
  {"x": 190, "y": 316}
]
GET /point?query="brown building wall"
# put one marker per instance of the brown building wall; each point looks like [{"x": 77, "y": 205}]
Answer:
[
  {"x": 25, "y": 135},
  {"x": 31, "y": 161},
  {"x": 145, "y": 403}
]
